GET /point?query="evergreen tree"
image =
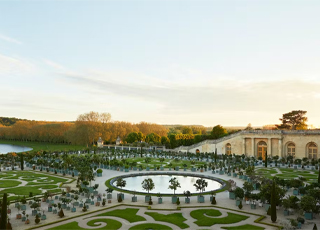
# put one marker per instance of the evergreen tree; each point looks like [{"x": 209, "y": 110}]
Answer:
[
  {"x": 3, "y": 222},
  {"x": 273, "y": 202},
  {"x": 319, "y": 176},
  {"x": 266, "y": 160},
  {"x": 21, "y": 161}
]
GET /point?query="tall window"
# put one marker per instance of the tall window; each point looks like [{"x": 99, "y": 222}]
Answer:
[
  {"x": 312, "y": 151},
  {"x": 262, "y": 149},
  {"x": 228, "y": 149},
  {"x": 291, "y": 150}
]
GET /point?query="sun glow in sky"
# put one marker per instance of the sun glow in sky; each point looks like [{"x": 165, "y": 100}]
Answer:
[{"x": 168, "y": 62}]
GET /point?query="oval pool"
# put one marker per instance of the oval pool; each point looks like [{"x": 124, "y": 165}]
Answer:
[{"x": 161, "y": 181}]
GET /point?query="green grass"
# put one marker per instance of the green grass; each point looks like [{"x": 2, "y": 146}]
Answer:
[
  {"x": 111, "y": 224},
  {"x": 244, "y": 227},
  {"x": 150, "y": 226},
  {"x": 203, "y": 220},
  {"x": 129, "y": 214},
  {"x": 9, "y": 183},
  {"x": 174, "y": 218},
  {"x": 38, "y": 146}
]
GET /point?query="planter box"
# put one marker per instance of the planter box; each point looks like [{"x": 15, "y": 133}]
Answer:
[
  {"x": 232, "y": 195},
  {"x": 73, "y": 210},
  {"x": 174, "y": 199},
  {"x": 229, "y": 174},
  {"x": 187, "y": 200},
  {"x": 176, "y": 168},
  {"x": 120, "y": 194},
  {"x": 68, "y": 195},
  {"x": 43, "y": 217},
  {"x": 193, "y": 169},
  {"x": 126, "y": 170},
  {"x": 49, "y": 209},
  {"x": 56, "y": 197},
  {"x": 160, "y": 200},
  {"x": 55, "y": 211},
  {"x": 240, "y": 176},
  {"x": 308, "y": 215},
  {"x": 99, "y": 198},
  {"x": 109, "y": 196},
  {"x": 221, "y": 172},
  {"x": 286, "y": 212},
  {"x": 23, "y": 207},
  {"x": 68, "y": 208},
  {"x": 134, "y": 199},
  {"x": 185, "y": 169},
  {"x": 92, "y": 202},
  {"x": 34, "y": 212},
  {"x": 76, "y": 203},
  {"x": 234, "y": 175},
  {"x": 213, "y": 172},
  {"x": 147, "y": 168},
  {"x": 253, "y": 206},
  {"x": 238, "y": 202},
  {"x": 95, "y": 193},
  {"x": 64, "y": 206},
  {"x": 23, "y": 218},
  {"x": 147, "y": 199},
  {"x": 99, "y": 174},
  {"x": 295, "y": 191},
  {"x": 200, "y": 199},
  {"x": 266, "y": 207},
  {"x": 161, "y": 168},
  {"x": 80, "y": 205}
]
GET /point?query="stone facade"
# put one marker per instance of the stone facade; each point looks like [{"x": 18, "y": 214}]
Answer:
[
  {"x": 100, "y": 143},
  {"x": 298, "y": 143}
]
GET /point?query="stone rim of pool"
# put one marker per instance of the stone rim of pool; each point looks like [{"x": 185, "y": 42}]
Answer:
[{"x": 113, "y": 180}]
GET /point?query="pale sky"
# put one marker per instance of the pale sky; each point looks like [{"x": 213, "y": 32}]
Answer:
[{"x": 169, "y": 62}]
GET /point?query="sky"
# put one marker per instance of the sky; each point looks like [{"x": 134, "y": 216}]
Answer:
[{"x": 168, "y": 62}]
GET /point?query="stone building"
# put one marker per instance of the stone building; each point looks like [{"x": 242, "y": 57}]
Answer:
[
  {"x": 297, "y": 143},
  {"x": 100, "y": 143},
  {"x": 118, "y": 141}
]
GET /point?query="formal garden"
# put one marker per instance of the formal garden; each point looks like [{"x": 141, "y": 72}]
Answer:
[{"x": 72, "y": 190}]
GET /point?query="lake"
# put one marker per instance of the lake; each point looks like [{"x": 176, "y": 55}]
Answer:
[{"x": 4, "y": 148}]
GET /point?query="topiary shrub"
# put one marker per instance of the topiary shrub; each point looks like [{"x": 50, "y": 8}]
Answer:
[
  {"x": 37, "y": 220},
  {"x": 178, "y": 201},
  {"x": 55, "y": 171},
  {"x": 84, "y": 209},
  {"x": 240, "y": 205},
  {"x": 315, "y": 227},
  {"x": 213, "y": 200},
  {"x": 120, "y": 199},
  {"x": 61, "y": 213},
  {"x": 150, "y": 201},
  {"x": 300, "y": 219},
  {"x": 99, "y": 171},
  {"x": 269, "y": 211}
]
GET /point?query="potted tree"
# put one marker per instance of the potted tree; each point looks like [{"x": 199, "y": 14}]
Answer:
[
  {"x": 201, "y": 185},
  {"x": 54, "y": 211},
  {"x": 239, "y": 194},
  {"x": 148, "y": 185},
  {"x": 231, "y": 189},
  {"x": 99, "y": 172},
  {"x": 308, "y": 205},
  {"x": 213, "y": 197},
  {"x": 109, "y": 194},
  {"x": 187, "y": 194},
  {"x": 121, "y": 183},
  {"x": 34, "y": 205},
  {"x": 18, "y": 216},
  {"x": 27, "y": 220},
  {"x": 134, "y": 198},
  {"x": 173, "y": 185},
  {"x": 159, "y": 198}
]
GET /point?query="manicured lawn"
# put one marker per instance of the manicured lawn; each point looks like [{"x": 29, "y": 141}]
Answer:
[
  {"x": 129, "y": 214},
  {"x": 203, "y": 220},
  {"x": 174, "y": 218},
  {"x": 37, "y": 146},
  {"x": 199, "y": 213},
  {"x": 36, "y": 182},
  {"x": 72, "y": 225},
  {"x": 9, "y": 183},
  {"x": 244, "y": 227},
  {"x": 150, "y": 226},
  {"x": 111, "y": 224}
]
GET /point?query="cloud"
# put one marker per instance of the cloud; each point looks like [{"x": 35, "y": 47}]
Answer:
[
  {"x": 15, "y": 66},
  {"x": 9, "y": 39},
  {"x": 54, "y": 65},
  {"x": 227, "y": 96}
]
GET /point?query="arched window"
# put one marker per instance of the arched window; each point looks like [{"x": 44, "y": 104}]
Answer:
[
  {"x": 262, "y": 149},
  {"x": 228, "y": 149},
  {"x": 312, "y": 151},
  {"x": 291, "y": 150}
]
